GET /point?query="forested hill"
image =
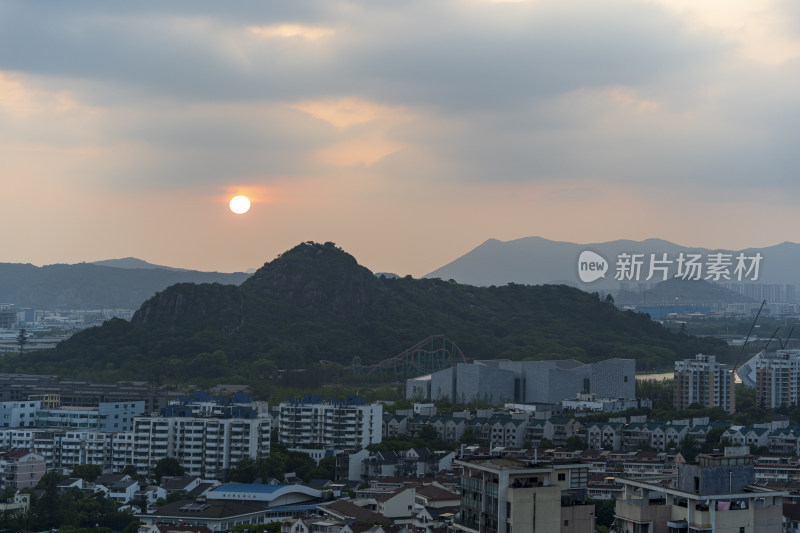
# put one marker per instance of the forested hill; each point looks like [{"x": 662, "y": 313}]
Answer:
[{"x": 315, "y": 302}]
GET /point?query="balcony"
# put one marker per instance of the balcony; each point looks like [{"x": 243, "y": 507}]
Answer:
[{"x": 641, "y": 511}]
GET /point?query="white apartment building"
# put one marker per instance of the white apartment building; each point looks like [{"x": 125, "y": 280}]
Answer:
[
  {"x": 778, "y": 379},
  {"x": 207, "y": 437},
  {"x": 47, "y": 443},
  {"x": 205, "y": 447},
  {"x": 81, "y": 447},
  {"x": 107, "y": 416},
  {"x": 18, "y": 414},
  {"x": 311, "y": 423},
  {"x": 703, "y": 381}
]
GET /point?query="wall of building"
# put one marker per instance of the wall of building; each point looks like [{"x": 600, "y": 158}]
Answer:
[
  {"x": 614, "y": 378},
  {"x": 715, "y": 479},
  {"x": 442, "y": 385},
  {"x": 419, "y": 388},
  {"x": 527, "y": 381}
]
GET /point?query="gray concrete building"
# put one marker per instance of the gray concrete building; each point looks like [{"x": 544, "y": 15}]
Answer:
[{"x": 501, "y": 380}]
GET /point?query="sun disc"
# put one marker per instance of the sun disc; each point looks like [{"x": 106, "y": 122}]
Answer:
[{"x": 240, "y": 204}]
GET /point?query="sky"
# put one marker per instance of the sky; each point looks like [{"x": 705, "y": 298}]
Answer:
[{"x": 407, "y": 132}]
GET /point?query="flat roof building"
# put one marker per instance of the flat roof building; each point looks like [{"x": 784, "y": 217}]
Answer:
[
  {"x": 716, "y": 494},
  {"x": 505, "y": 495}
]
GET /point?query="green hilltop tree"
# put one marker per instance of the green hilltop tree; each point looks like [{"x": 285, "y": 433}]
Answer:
[
  {"x": 22, "y": 339},
  {"x": 87, "y": 472},
  {"x": 167, "y": 466}
]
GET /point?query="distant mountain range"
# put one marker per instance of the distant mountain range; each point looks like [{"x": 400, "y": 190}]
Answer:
[
  {"x": 133, "y": 262},
  {"x": 127, "y": 282},
  {"x": 535, "y": 260},
  {"x": 121, "y": 283}
]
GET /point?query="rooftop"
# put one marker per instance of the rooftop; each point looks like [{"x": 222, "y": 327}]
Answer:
[{"x": 249, "y": 488}]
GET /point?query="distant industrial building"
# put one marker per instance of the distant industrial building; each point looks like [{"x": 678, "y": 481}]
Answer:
[
  {"x": 8, "y": 316},
  {"x": 703, "y": 381},
  {"x": 20, "y": 387},
  {"x": 497, "y": 381}
]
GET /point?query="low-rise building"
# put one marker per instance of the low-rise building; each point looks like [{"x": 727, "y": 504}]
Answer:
[
  {"x": 17, "y": 504},
  {"x": 586, "y": 403},
  {"x": 270, "y": 495},
  {"x": 216, "y": 515}
]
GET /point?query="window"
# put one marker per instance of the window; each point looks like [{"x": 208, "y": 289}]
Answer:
[
  {"x": 566, "y": 523},
  {"x": 562, "y": 477}
]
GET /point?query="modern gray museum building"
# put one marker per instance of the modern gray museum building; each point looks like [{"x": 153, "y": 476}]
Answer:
[{"x": 501, "y": 380}]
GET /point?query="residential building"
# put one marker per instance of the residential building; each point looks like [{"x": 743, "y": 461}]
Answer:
[
  {"x": 22, "y": 387},
  {"x": 350, "y": 465},
  {"x": 17, "y": 414},
  {"x": 205, "y": 447},
  {"x": 703, "y": 381},
  {"x": 559, "y": 428},
  {"x": 21, "y": 469},
  {"x": 505, "y": 495},
  {"x": 18, "y": 504},
  {"x": 107, "y": 416},
  {"x": 778, "y": 379},
  {"x": 123, "y": 491},
  {"x": 586, "y": 403},
  {"x": 84, "y": 447},
  {"x": 717, "y": 494},
  {"x": 311, "y": 423},
  {"x": 604, "y": 435}
]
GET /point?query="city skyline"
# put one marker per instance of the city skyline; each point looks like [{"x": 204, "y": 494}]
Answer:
[{"x": 406, "y": 133}]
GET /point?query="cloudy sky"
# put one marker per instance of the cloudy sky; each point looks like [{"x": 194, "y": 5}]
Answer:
[{"x": 408, "y": 132}]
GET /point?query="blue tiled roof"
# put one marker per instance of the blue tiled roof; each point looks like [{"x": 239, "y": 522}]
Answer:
[{"x": 248, "y": 487}]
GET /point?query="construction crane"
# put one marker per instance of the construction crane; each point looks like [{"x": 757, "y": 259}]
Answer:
[{"x": 752, "y": 326}]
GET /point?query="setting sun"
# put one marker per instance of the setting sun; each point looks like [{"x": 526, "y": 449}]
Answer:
[{"x": 240, "y": 204}]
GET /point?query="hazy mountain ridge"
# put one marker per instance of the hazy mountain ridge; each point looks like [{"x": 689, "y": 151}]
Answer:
[
  {"x": 134, "y": 262},
  {"x": 316, "y": 302},
  {"x": 680, "y": 292},
  {"x": 535, "y": 260},
  {"x": 90, "y": 286}
]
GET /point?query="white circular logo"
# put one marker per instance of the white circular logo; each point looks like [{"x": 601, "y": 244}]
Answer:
[{"x": 591, "y": 266}]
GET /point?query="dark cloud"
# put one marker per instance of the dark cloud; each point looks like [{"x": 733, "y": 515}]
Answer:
[
  {"x": 419, "y": 53},
  {"x": 620, "y": 92}
]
